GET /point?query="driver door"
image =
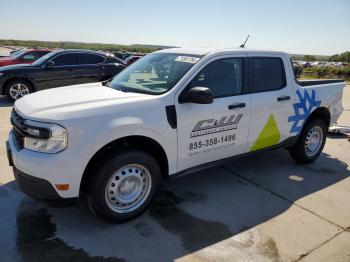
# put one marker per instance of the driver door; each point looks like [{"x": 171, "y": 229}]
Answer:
[
  {"x": 209, "y": 132},
  {"x": 62, "y": 73}
]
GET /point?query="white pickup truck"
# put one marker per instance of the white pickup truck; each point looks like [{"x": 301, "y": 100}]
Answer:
[{"x": 172, "y": 112}]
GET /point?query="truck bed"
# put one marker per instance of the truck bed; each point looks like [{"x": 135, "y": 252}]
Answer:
[{"x": 318, "y": 82}]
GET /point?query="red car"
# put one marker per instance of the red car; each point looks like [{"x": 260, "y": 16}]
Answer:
[{"x": 26, "y": 56}]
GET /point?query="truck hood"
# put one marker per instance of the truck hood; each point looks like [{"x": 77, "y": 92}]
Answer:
[{"x": 60, "y": 103}]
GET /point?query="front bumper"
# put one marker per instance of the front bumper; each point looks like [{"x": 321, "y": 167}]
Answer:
[
  {"x": 38, "y": 173},
  {"x": 32, "y": 186},
  {"x": 35, "y": 187}
]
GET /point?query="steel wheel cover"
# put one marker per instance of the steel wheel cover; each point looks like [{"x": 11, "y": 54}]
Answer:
[
  {"x": 313, "y": 141},
  {"x": 128, "y": 188}
]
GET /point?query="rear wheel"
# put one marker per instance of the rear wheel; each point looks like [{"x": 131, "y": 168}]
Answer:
[
  {"x": 123, "y": 187},
  {"x": 310, "y": 142},
  {"x": 17, "y": 89}
]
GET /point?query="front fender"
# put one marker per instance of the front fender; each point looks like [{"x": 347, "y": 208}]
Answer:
[
  {"x": 10, "y": 78},
  {"x": 124, "y": 127}
]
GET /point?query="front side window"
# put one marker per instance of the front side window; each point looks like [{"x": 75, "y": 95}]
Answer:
[
  {"x": 42, "y": 60},
  {"x": 223, "y": 77},
  {"x": 90, "y": 59},
  {"x": 268, "y": 74},
  {"x": 66, "y": 59},
  {"x": 154, "y": 74}
]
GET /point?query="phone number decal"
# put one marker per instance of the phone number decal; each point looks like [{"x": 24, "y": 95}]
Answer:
[{"x": 212, "y": 142}]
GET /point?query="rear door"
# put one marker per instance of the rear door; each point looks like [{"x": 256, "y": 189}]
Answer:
[
  {"x": 91, "y": 68},
  {"x": 219, "y": 130},
  {"x": 272, "y": 97}
]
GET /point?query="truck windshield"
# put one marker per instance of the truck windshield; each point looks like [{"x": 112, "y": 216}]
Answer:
[{"x": 154, "y": 74}]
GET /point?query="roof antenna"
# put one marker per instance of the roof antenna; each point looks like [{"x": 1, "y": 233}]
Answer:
[{"x": 243, "y": 45}]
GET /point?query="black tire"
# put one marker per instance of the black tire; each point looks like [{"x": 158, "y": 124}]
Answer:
[
  {"x": 299, "y": 152},
  {"x": 25, "y": 83},
  {"x": 97, "y": 195}
]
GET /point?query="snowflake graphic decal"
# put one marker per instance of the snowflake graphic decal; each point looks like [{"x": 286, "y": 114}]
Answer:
[{"x": 303, "y": 109}]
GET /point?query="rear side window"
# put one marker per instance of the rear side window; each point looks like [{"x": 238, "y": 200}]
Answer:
[
  {"x": 268, "y": 74},
  {"x": 90, "y": 59},
  {"x": 223, "y": 77},
  {"x": 66, "y": 59}
]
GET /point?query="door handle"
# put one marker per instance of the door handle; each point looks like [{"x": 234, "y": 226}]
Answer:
[
  {"x": 283, "y": 98},
  {"x": 235, "y": 106}
]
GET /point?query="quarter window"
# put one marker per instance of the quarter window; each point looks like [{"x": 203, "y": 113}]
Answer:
[
  {"x": 268, "y": 74},
  {"x": 90, "y": 59},
  {"x": 66, "y": 59},
  {"x": 223, "y": 77}
]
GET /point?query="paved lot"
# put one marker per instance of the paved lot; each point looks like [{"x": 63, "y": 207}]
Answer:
[
  {"x": 263, "y": 207},
  {"x": 4, "y": 50}
]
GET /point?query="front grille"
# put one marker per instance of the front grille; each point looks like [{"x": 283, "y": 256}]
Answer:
[
  {"x": 16, "y": 116},
  {"x": 17, "y": 122},
  {"x": 19, "y": 139}
]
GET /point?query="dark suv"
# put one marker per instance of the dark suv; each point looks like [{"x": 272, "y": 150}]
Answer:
[{"x": 58, "y": 68}]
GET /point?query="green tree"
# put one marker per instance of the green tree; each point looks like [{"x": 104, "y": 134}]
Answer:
[
  {"x": 75, "y": 45},
  {"x": 343, "y": 57},
  {"x": 309, "y": 58}
]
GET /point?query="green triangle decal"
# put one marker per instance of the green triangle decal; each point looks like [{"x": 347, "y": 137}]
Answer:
[{"x": 269, "y": 136}]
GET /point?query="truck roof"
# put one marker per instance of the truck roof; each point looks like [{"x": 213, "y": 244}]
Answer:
[{"x": 205, "y": 51}]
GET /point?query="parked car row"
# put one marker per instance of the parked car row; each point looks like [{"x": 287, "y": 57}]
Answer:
[
  {"x": 307, "y": 64},
  {"x": 56, "y": 69},
  {"x": 132, "y": 59},
  {"x": 125, "y": 55},
  {"x": 129, "y": 57}
]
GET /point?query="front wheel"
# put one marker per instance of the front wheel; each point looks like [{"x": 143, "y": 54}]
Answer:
[
  {"x": 123, "y": 187},
  {"x": 310, "y": 142},
  {"x": 17, "y": 89}
]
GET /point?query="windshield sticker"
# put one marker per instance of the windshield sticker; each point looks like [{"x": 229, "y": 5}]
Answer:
[{"x": 187, "y": 59}]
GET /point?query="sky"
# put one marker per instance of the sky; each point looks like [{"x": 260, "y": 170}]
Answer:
[{"x": 320, "y": 27}]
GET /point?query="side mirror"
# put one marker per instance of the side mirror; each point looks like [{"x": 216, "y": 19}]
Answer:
[
  {"x": 49, "y": 64},
  {"x": 197, "y": 95}
]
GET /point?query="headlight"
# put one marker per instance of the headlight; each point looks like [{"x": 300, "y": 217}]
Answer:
[{"x": 45, "y": 137}]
